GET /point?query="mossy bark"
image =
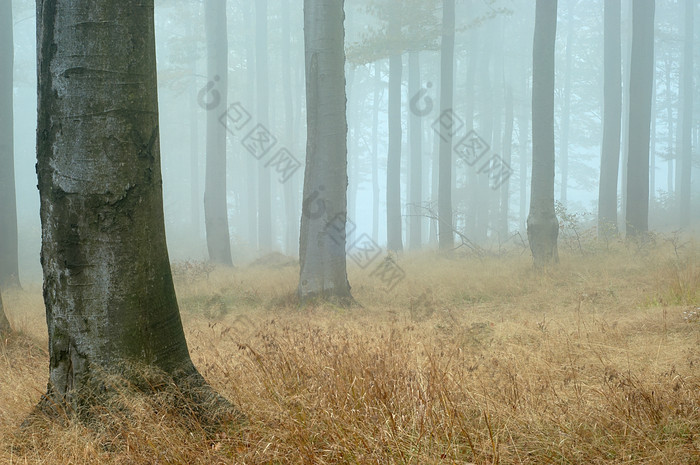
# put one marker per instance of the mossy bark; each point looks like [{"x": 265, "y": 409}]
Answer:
[{"x": 108, "y": 290}]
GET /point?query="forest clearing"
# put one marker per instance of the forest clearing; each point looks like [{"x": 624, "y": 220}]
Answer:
[{"x": 467, "y": 360}]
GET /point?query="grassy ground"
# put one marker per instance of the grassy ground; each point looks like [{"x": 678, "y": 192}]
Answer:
[{"x": 467, "y": 360}]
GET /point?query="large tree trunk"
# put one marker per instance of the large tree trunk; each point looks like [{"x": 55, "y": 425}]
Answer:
[
  {"x": 9, "y": 268},
  {"x": 324, "y": 210},
  {"x": 445, "y": 226},
  {"x": 416, "y": 133},
  {"x": 4, "y": 324},
  {"x": 265, "y": 230},
  {"x": 110, "y": 301},
  {"x": 251, "y": 164},
  {"x": 393, "y": 170},
  {"x": 641, "y": 84},
  {"x": 542, "y": 224},
  {"x": 215, "y": 205},
  {"x": 612, "y": 112},
  {"x": 687, "y": 121}
]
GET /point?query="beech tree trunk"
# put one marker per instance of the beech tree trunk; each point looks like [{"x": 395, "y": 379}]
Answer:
[
  {"x": 110, "y": 302},
  {"x": 215, "y": 205},
  {"x": 641, "y": 84},
  {"x": 612, "y": 123},
  {"x": 416, "y": 176},
  {"x": 445, "y": 226},
  {"x": 542, "y": 224},
  {"x": 324, "y": 210},
  {"x": 265, "y": 229},
  {"x": 687, "y": 121},
  {"x": 9, "y": 267},
  {"x": 393, "y": 170}
]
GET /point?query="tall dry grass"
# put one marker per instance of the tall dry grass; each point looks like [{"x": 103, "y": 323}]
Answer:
[{"x": 465, "y": 361}]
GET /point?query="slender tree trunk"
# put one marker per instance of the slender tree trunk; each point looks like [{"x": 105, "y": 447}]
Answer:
[
  {"x": 566, "y": 110},
  {"x": 5, "y": 327},
  {"x": 416, "y": 132},
  {"x": 445, "y": 225},
  {"x": 324, "y": 211},
  {"x": 669, "y": 121},
  {"x": 523, "y": 152},
  {"x": 375, "y": 151},
  {"x": 215, "y": 205},
  {"x": 251, "y": 162},
  {"x": 393, "y": 171},
  {"x": 110, "y": 301},
  {"x": 641, "y": 83},
  {"x": 612, "y": 113},
  {"x": 195, "y": 197},
  {"x": 652, "y": 154},
  {"x": 542, "y": 224},
  {"x": 261, "y": 76},
  {"x": 9, "y": 266},
  {"x": 624, "y": 153},
  {"x": 687, "y": 121},
  {"x": 290, "y": 198},
  {"x": 507, "y": 158},
  {"x": 470, "y": 189}
]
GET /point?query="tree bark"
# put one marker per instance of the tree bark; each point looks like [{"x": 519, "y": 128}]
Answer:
[
  {"x": 324, "y": 210},
  {"x": 375, "y": 151},
  {"x": 641, "y": 84},
  {"x": 542, "y": 224},
  {"x": 445, "y": 224},
  {"x": 215, "y": 205},
  {"x": 687, "y": 121},
  {"x": 110, "y": 302},
  {"x": 9, "y": 263},
  {"x": 612, "y": 123}
]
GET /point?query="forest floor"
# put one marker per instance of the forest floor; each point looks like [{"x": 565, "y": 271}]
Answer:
[{"x": 466, "y": 360}]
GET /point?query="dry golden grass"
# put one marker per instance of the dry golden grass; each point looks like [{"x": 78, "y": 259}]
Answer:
[{"x": 465, "y": 361}]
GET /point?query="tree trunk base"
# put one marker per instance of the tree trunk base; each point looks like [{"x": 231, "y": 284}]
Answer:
[{"x": 115, "y": 401}]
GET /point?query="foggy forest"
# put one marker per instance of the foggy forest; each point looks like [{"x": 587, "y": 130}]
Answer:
[{"x": 374, "y": 231}]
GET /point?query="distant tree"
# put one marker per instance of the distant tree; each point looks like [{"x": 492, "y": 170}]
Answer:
[
  {"x": 641, "y": 84},
  {"x": 4, "y": 324},
  {"x": 612, "y": 123},
  {"x": 542, "y": 224},
  {"x": 687, "y": 90},
  {"x": 445, "y": 223},
  {"x": 215, "y": 204},
  {"x": 265, "y": 233},
  {"x": 324, "y": 210},
  {"x": 9, "y": 268},
  {"x": 110, "y": 302},
  {"x": 393, "y": 170}
]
